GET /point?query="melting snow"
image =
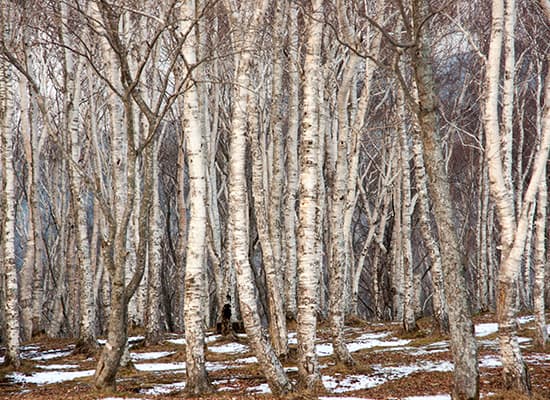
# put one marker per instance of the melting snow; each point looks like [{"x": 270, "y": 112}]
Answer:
[
  {"x": 42, "y": 378},
  {"x": 212, "y": 338},
  {"x": 247, "y": 360},
  {"x": 263, "y": 388},
  {"x": 151, "y": 355},
  {"x": 131, "y": 340},
  {"x": 526, "y": 319},
  {"x": 177, "y": 341},
  {"x": 490, "y": 362},
  {"x": 176, "y": 366},
  {"x": 157, "y": 367},
  {"x": 121, "y": 398},
  {"x": 233, "y": 348},
  {"x": 292, "y": 339},
  {"x": 58, "y": 366},
  {"x": 486, "y": 329},
  {"x": 325, "y": 349},
  {"x": 538, "y": 358},
  {"x": 342, "y": 398},
  {"x": 48, "y": 355},
  {"x": 348, "y": 383},
  {"x": 164, "y": 389}
]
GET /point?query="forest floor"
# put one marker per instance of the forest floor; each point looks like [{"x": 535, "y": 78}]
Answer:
[{"x": 390, "y": 365}]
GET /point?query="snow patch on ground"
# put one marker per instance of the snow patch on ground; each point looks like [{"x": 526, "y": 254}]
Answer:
[
  {"x": 47, "y": 355},
  {"x": 43, "y": 378},
  {"x": 348, "y": 383},
  {"x": 151, "y": 355},
  {"x": 177, "y": 366},
  {"x": 326, "y": 349},
  {"x": 260, "y": 389},
  {"x": 424, "y": 366},
  {"x": 30, "y": 347},
  {"x": 57, "y": 366},
  {"x": 180, "y": 341},
  {"x": 230, "y": 348},
  {"x": 131, "y": 340},
  {"x": 343, "y": 398},
  {"x": 292, "y": 338},
  {"x": 163, "y": 389},
  {"x": 538, "y": 358},
  {"x": 435, "y": 397},
  {"x": 490, "y": 362},
  {"x": 212, "y": 338},
  {"x": 526, "y": 319},
  {"x": 121, "y": 398},
  {"x": 486, "y": 329},
  {"x": 225, "y": 382},
  {"x": 247, "y": 360},
  {"x": 159, "y": 367}
]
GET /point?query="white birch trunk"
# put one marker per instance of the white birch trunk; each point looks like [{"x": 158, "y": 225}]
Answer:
[
  {"x": 339, "y": 255},
  {"x": 277, "y": 323},
  {"x": 279, "y": 336},
  {"x": 463, "y": 344},
  {"x": 87, "y": 338},
  {"x": 27, "y": 272},
  {"x": 238, "y": 201},
  {"x": 8, "y": 240},
  {"x": 514, "y": 231},
  {"x": 291, "y": 150},
  {"x": 308, "y": 236},
  {"x": 438, "y": 297},
  {"x": 409, "y": 320},
  {"x": 541, "y": 253},
  {"x": 195, "y": 264},
  {"x": 541, "y": 337},
  {"x": 154, "y": 328}
]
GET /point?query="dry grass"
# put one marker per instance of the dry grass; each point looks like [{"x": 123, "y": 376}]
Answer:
[{"x": 131, "y": 381}]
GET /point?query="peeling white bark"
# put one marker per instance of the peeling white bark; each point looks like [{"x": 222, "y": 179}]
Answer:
[
  {"x": 8, "y": 240},
  {"x": 309, "y": 211}
]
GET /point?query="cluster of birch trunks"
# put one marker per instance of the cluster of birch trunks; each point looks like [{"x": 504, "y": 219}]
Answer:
[{"x": 285, "y": 160}]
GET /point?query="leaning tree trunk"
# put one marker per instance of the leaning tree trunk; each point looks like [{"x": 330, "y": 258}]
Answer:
[
  {"x": 463, "y": 344},
  {"x": 309, "y": 262},
  {"x": 238, "y": 209},
  {"x": 434, "y": 254},
  {"x": 8, "y": 240}
]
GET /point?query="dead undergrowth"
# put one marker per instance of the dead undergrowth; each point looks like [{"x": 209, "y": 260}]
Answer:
[{"x": 236, "y": 380}]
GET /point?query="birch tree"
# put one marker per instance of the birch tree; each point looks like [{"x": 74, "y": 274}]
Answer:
[
  {"x": 291, "y": 167},
  {"x": 195, "y": 267},
  {"x": 514, "y": 225},
  {"x": 541, "y": 253},
  {"x": 308, "y": 238},
  {"x": 79, "y": 194},
  {"x": 11, "y": 285},
  {"x": 251, "y": 16},
  {"x": 463, "y": 345}
]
